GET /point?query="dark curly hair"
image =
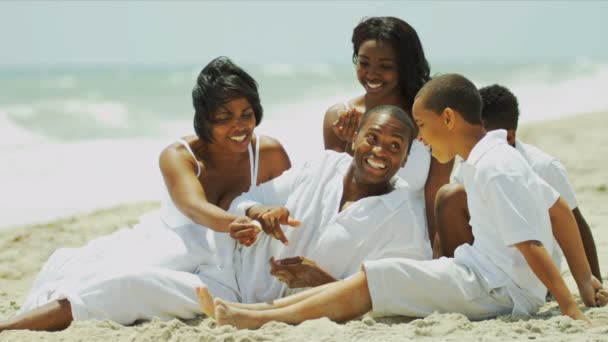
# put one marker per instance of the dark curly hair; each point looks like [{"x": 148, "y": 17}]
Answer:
[
  {"x": 412, "y": 66},
  {"x": 454, "y": 91},
  {"x": 500, "y": 108},
  {"x": 220, "y": 82}
]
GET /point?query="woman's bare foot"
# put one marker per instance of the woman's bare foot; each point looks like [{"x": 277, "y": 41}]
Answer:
[
  {"x": 239, "y": 318},
  {"x": 205, "y": 301}
]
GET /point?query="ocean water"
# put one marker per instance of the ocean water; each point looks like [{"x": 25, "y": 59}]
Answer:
[{"x": 75, "y": 139}]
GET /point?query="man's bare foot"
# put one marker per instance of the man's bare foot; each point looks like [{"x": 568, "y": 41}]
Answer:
[
  {"x": 239, "y": 318},
  {"x": 205, "y": 301}
]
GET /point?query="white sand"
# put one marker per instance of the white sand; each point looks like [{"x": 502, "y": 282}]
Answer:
[{"x": 579, "y": 141}]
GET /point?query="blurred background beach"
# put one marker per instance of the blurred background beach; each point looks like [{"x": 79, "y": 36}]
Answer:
[{"x": 92, "y": 91}]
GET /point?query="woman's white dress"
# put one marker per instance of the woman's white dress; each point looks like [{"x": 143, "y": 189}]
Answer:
[{"x": 110, "y": 277}]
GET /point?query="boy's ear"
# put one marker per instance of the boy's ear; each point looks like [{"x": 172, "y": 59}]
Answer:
[
  {"x": 352, "y": 147},
  {"x": 449, "y": 117}
]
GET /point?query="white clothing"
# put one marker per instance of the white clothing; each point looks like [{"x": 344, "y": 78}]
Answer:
[
  {"x": 508, "y": 205},
  {"x": 417, "y": 288},
  {"x": 163, "y": 240},
  {"x": 371, "y": 228},
  {"x": 550, "y": 170}
]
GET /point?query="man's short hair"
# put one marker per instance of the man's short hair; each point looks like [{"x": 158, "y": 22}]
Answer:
[{"x": 399, "y": 114}]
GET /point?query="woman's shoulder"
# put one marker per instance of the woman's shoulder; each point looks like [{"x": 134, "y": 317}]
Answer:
[
  {"x": 272, "y": 153},
  {"x": 179, "y": 146}
]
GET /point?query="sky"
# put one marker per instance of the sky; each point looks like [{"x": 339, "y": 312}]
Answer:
[{"x": 157, "y": 33}]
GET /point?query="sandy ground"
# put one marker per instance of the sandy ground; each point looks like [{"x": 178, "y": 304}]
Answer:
[{"x": 580, "y": 142}]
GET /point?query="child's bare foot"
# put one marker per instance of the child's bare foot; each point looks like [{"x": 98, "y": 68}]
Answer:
[
  {"x": 205, "y": 301},
  {"x": 239, "y": 318}
]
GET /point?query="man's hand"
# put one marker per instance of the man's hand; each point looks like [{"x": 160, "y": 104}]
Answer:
[
  {"x": 271, "y": 219},
  {"x": 348, "y": 122},
  {"x": 299, "y": 272},
  {"x": 244, "y": 230}
]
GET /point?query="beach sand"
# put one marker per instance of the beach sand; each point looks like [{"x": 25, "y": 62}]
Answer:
[{"x": 580, "y": 142}]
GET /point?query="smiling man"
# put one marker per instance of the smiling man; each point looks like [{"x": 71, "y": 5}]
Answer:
[{"x": 351, "y": 209}]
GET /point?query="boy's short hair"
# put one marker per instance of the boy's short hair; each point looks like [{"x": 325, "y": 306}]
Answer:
[
  {"x": 220, "y": 82},
  {"x": 453, "y": 91},
  {"x": 500, "y": 108},
  {"x": 397, "y": 113}
]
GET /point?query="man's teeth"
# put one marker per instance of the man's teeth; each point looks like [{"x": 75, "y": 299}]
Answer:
[
  {"x": 374, "y": 85},
  {"x": 239, "y": 138},
  {"x": 376, "y": 165}
]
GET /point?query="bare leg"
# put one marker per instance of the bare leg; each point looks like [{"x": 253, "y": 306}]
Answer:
[
  {"x": 339, "y": 301},
  {"x": 206, "y": 300},
  {"x": 439, "y": 174},
  {"x": 56, "y": 315},
  {"x": 452, "y": 215}
]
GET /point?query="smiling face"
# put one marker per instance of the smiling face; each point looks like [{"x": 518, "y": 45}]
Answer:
[
  {"x": 233, "y": 124},
  {"x": 377, "y": 68},
  {"x": 433, "y": 130},
  {"x": 380, "y": 148}
]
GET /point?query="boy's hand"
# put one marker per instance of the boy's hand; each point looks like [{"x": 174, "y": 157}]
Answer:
[
  {"x": 601, "y": 294},
  {"x": 575, "y": 313},
  {"x": 593, "y": 293}
]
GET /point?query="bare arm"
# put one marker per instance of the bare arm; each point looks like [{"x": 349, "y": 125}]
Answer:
[
  {"x": 588, "y": 243},
  {"x": 567, "y": 235},
  {"x": 541, "y": 264},
  {"x": 186, "y": 191}
]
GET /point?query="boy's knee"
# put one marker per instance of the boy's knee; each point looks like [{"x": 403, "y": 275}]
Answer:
[{"x": 449, "y": 196}]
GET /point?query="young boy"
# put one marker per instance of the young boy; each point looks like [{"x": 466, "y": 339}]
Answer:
[
  {"x": 500, "y": 111},
  {"x": 506, "y": 270}
]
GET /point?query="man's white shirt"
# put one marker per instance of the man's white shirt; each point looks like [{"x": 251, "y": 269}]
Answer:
[{"x": 338, "y": 241}]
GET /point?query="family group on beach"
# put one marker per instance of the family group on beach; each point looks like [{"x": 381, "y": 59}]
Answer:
[{"x": 383, "y": 221}]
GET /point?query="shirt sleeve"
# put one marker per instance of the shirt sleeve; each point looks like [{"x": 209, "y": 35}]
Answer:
[
  {"x": 513, "y": 208},
  {"x": 274, "y": 192},
  {"x": 555, "y": 174}
]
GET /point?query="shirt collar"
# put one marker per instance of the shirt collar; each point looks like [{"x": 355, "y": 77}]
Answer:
[
  {"x": 491, "y": 140},
  {"x": 393, "y": 199}
]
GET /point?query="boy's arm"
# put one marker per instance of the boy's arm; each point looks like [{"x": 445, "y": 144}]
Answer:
[
  {"x": 565, "y": 231},
  {"x": 588, "y": 243},
  {"x": 541, "y": 264}
]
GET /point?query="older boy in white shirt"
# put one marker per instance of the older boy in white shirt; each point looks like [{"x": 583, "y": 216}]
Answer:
[
  {"x": 500, "y": 111},
  {"x": 506, "y": 270}
]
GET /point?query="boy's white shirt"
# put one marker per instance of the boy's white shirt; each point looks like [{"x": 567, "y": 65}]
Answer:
[
  {"x": 338, "y": 241},
  {"x": 549, "y": 169},
  {"x": 508, "y": 204}
]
